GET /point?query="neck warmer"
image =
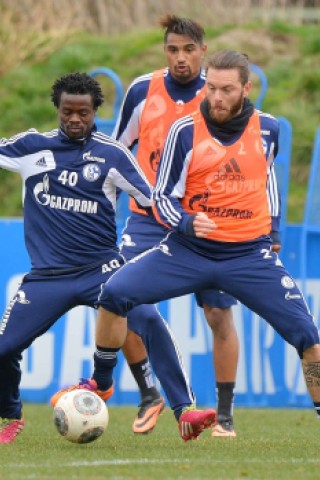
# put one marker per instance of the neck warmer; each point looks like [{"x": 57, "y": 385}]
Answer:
[{"x": 225, "y": 132}]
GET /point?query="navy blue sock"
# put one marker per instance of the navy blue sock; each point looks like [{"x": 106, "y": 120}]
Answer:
[
  {"x": 105, "y": 359},
  {"x": 180, "y": 408},
  {"x": 143, "y": 376},
  {"x": 225, "y": 397}
]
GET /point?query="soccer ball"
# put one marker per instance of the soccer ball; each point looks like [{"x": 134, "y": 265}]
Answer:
[{"x": 80, "y": 416}]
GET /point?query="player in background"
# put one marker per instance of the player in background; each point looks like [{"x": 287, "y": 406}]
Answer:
[
  {"x": 219, "y": 224},
  {"x": 152, "y": 102}
]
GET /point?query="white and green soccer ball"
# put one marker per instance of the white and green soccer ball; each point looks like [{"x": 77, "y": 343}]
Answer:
[{"x": 80, "y": 416}]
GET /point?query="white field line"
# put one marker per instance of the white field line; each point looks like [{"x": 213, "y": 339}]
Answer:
[{"x": 132, "y": 461}]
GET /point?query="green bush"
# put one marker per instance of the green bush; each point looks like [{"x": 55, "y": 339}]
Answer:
[{"x": 288, "y": 54}]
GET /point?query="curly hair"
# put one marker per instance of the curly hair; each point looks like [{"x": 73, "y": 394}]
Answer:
[
  {"x": 182, "y": 26},
  {"x": 77, "y": 84}
]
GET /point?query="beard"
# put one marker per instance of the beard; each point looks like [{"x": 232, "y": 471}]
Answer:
[{"x": 227, "y": 115}]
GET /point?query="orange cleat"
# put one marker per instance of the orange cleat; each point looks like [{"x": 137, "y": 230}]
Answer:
[{"x": 84, "y": 384}]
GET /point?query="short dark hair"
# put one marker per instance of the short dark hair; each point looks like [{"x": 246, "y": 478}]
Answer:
[
  {"x": 77, "y": 84},
  {"x": 229, "y": 59},
  {"x": 182, "y": 26}
]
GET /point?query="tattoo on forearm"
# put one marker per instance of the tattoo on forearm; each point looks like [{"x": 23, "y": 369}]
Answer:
[{"x": 311, "y": 372}]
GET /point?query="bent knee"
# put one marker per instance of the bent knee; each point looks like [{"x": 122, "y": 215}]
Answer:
[
  {"x": 146, "y": 318},
  {"x": 114, "y": 300},
  {"x": 220, "y": 320},
  {"x": 7, "y": 349},
  {"x": 312, "y": 354},
  {"x": 306, "y": 342}
]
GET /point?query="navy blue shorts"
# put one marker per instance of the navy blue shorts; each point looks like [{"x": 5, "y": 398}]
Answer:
[
  {"x": 256, "y": 278},
  {"x": 142, "y": 233},
  {"x": 43, "y": 298}
]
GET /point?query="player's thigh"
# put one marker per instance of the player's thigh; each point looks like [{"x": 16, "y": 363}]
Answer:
[
  {"x": 260, "y": 282},
  {"x": 37, "y": 304},
  {"x": 90, "y": 283},
  {"x": 167, "y": 271}
]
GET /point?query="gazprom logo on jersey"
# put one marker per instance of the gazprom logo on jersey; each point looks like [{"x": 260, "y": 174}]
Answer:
[
  {"x": 90, "y": 158},
  {"x": 42, "y": 196}
]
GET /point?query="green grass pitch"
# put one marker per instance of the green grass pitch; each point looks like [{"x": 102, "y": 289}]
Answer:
[{"x": 271, "y": 445}]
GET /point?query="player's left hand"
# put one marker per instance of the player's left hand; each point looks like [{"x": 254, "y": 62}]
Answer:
[
  {"x": 275, "y": 241},
  {"x": 203, "y": 225},
  {"x": 276, "y": 247}
]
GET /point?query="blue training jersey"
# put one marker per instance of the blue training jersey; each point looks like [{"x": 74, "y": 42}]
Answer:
[{"x": 69, "y": 194}]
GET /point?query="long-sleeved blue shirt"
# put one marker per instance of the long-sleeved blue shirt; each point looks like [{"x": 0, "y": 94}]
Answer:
[{"x": 69, "y": 194}]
